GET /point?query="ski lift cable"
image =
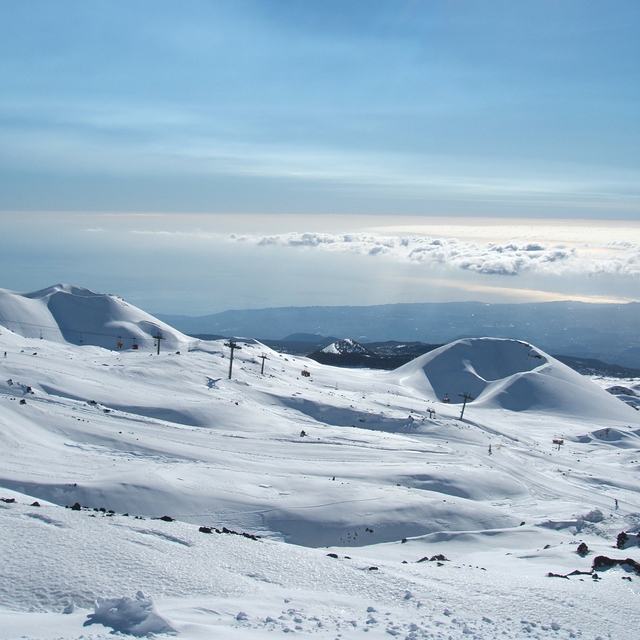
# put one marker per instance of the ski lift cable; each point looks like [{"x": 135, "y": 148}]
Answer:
[{"x": 79, "y": 331}]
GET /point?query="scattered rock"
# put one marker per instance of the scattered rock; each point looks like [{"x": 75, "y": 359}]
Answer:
[
  {"x": 622, "y": 540},
  {"x": 604, "y": 562},
  {"x": 439, "y": 557},
  {"x": 582, "y": 549},
  {"x": 205, "y": 530},
  {"x": 250, "y": 536}
]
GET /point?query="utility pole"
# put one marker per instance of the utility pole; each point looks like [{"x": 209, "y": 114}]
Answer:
[
  {"x": 264, "y": 357},
  {"x": 232, "y": 345},
  {"x": 466, "y": 397},
  {"x": 157, "y": 338}
]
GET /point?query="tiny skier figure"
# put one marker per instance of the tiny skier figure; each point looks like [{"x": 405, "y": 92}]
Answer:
[{"x": 489, "y": 449}]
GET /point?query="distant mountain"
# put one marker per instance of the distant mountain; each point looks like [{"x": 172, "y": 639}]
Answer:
[
  {"x": 607, "y": 332},
  {"x": 346, "y": 346},
  {"x": 346, "y": 353},
  {"x": 312, "y": 338},
  {"x": 64, "y": 313},
  {"x": 592, "y": 367}
]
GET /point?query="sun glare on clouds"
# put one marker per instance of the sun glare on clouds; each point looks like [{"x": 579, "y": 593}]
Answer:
[{"x": 205, "y": 263}]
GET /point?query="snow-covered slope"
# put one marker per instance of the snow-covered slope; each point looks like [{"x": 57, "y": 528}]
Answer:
[
  {"x": 369, "y": 463},
  {"x": 153, "y": 577},
  {"x": 64, "y": 313}
]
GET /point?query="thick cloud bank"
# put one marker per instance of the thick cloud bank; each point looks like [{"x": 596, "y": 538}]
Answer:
[{"x": 509, "y": 258}]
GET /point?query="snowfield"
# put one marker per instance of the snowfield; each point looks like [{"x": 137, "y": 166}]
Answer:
[{"x": 340, "y": 504}]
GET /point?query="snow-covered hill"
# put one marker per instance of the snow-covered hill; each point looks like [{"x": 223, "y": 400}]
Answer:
[
  {"x": 508, "y": 374},
  {"x": 64, "y": 313},
  {"x": 371, "y": 464},
  {"x": 345, "y": 346}
]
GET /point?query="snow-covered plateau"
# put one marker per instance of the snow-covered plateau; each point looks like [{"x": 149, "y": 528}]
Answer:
[{"x": 146, "y": 494}]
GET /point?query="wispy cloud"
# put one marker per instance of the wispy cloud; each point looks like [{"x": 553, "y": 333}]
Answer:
[{"x": 508, "y": 258}]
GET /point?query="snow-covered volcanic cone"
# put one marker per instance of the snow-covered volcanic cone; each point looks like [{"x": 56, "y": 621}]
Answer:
[
  {"x": 347, "y": 345},
  {"x": 508, "y": 374},
  {"x": 64, "y": 313}
]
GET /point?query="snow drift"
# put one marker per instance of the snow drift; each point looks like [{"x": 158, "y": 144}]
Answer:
[{"x": 65, "y": 313}]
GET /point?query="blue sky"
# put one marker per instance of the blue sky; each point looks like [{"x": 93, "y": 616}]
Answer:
[{"x": 254, "y": 109}]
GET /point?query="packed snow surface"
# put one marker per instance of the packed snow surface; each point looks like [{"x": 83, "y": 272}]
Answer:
[{"x": 215, "y": 507}]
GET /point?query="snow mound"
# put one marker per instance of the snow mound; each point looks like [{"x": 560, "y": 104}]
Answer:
[
  {"x": 133, "y": 616},
  {"x": 64, "y": 313},
  {"x": 507, "y": 374}
]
